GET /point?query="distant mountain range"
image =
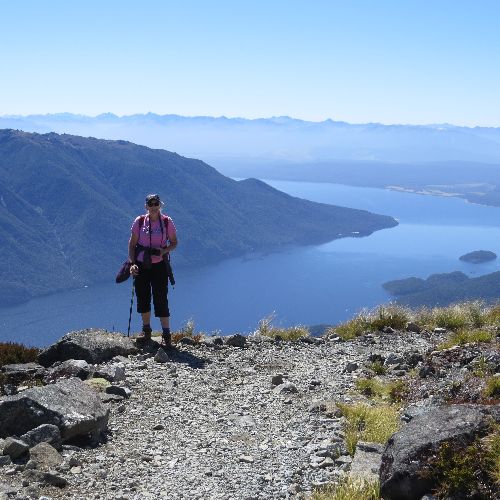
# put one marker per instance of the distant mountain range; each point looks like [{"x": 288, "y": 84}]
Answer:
[
  {"x": 277, "y": 138},
  {"x": 67, "y": 204},
  {"x": 432, "y": 159}
]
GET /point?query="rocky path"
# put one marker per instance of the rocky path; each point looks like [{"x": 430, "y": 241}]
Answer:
[{"x": 229, "y": 423}]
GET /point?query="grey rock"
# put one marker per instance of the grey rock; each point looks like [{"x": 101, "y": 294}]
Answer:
[
  {"x": 46, "y": 456},
  {"x": 413, "y": 358},
  {"x": 350, "y": 367},
  {"x": 439, "y": 330},
  {"x": 214, "y": 341},
  {"x": 161, "y": 356},
  {"x": 247, "y": 459},
  {"x": 49, "y": 478},
  {"x": 408, "y": 450},
  {"x": 286, "y": 388},
  {"x": 19, "y": 372},
  {"x": 413, "y": 327},
  {"x": 366, "y": 461},
  {"x": 119, "y": 391},
  {"x": 14, "y": 447},
  {"x": 343, "y": 460},
  {"x": 45, "y": 433},
  {"x": 114, "y": 372},
  {"x": 327, "y": 462},
  {"x": 67, "y": 369},
  {"x": 5, "y": 460},
  {"x": 376, "y": 358},
  {"x": 92, "y": 345},
  {"x": 393, "y": 359},
  {"x": 236, "y": 340},
  {"x": 311, "y": 340},
  {"x": 426, "y": 371},
  {"x": 277, "y": 379},
  {"x": 69, "y": 404},
  {"x": 110, "y": 398},
  {"x": 187, "y": 341}
]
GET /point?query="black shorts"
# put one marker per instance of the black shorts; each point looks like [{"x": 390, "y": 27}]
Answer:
[{"x": 155, "y": 280}]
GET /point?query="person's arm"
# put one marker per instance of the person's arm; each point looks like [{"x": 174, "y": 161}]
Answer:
[
  {"x": 172, "y": 238},
  {"x": 132, "y": 242}
]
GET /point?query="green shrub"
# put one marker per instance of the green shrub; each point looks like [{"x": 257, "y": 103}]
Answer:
[
  {"x": 11, "y": 353},
  {"x": 368, "y": 423},
  {"x": 348, "y": 489}
]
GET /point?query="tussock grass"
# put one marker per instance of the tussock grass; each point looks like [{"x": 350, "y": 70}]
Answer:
[
  {"x": 266, "y": 329},
  {"x": 464, "y": 336},
  {"x": 11, "y": 353},
  {"x": 377, "y": 367},
  {"x": 492, "y": 316},
  {"x": 472, "y": 315},
  {"x": 492, "y": 387},
  {"x": 393, "y": 391},
  {"x": 391, "y": 315},
  {"x": 348, "y": 489},
  {"x": 473, "y": 470},
  {"x": 368, "y": 423}
]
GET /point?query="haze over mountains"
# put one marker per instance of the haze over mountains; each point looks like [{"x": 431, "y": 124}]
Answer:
[
  {"x": 277, "y": 138},
  {"x": 434, "y": 159},
  {"x": 67, "y": 204}
]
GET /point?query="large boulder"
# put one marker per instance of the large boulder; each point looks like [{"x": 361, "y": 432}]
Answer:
[
  {"x": 92, "y": 345},
  {"x": 408, "y": 451},
  {"x": 19, "y": 372},
  {"x": 70, "y": 404}
]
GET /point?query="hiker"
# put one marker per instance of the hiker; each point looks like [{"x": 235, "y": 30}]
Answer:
[{"x": 152, "y": 237}]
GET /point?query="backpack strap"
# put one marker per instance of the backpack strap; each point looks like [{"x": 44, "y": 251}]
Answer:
[{"x": 163, "y": 221}]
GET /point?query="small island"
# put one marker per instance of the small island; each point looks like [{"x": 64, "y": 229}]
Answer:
[{"x": 478, "y": 256}]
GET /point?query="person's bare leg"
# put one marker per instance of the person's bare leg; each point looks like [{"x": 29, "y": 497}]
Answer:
[{"x": 165, "y": 322}]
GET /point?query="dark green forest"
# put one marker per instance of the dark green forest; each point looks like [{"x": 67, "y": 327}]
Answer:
[
  {"x": 444, "y": 289},
  {"x": 67, "y": 204}
]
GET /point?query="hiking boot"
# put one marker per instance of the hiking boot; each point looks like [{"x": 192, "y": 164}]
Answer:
[
  {"x": 166, "y": 340},
  {"x": 145, "y": 334}
]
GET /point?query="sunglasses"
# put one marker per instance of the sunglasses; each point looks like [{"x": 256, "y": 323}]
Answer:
[{"x": 153, "y": 203}]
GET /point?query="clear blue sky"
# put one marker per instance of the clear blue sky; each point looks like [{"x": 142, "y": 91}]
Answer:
[{"x": 401, "y": 61}]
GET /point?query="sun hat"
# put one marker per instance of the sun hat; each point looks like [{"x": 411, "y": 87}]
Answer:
[{"x": 151, "y": 197}]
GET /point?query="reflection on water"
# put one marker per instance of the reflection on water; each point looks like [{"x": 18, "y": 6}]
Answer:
[{"x": 321, "y": 284}]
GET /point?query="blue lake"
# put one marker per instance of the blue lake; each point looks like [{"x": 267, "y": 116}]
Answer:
[{"x": 308, "y": 285}]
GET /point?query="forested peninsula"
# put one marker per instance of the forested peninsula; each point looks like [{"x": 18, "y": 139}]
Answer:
[{"x": 67, "y": 204}]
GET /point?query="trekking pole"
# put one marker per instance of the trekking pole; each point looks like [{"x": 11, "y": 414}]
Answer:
[{"x": 131, "y": 304}]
